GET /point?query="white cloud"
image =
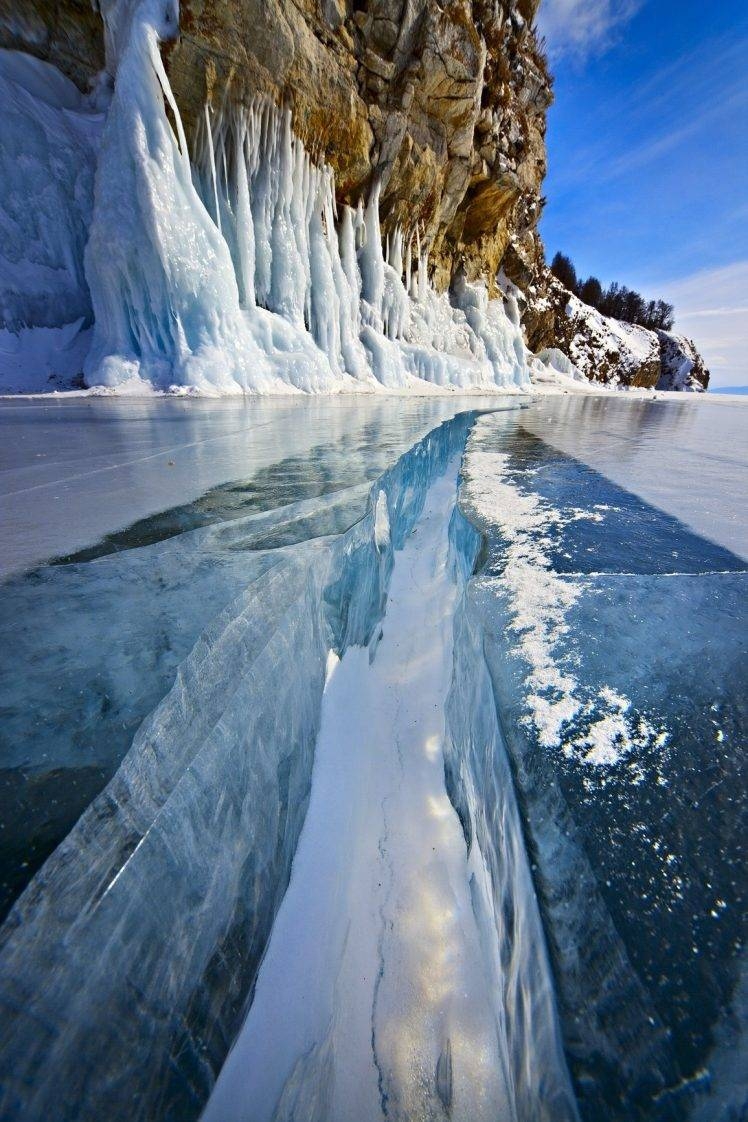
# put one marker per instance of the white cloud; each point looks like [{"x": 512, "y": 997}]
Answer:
[
  {"x": 711, "y": 307},
  {"x": 580, "y": 28}
]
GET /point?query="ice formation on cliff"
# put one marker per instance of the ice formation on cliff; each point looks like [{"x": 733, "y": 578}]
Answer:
[
  {"x": 49, "y": 137},
  {"x": 231, "y": 271}
]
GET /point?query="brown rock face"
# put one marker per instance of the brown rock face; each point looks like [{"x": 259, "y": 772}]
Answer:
[
  {"x": 444, "y": 102},
  {"x": 67, "y": 33}
]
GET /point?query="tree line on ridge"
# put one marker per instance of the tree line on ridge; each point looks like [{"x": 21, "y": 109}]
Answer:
[{"x": 616, "y": 301}]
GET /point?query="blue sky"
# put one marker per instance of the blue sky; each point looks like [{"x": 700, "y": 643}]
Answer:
[{"x": 648, "y": 158}]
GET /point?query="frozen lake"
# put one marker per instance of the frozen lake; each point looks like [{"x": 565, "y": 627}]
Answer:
[
  {"x": 73, "y": 470},
  {"x": 216, "y": 614}
]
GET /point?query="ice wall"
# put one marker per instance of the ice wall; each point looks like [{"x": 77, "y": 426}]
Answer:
[
  {"x": 49, "y": 136},
  {"x": 224, "y": 270}
]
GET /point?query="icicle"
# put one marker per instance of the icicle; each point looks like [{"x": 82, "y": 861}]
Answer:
[
  {"x": 414, "y": 279},
  {"x": 162, "y": 282},
  {"x": 158, "y": 66},
  {"x": 395, "y": 258},
  {"x": 423, "y": 274},
  {"x": 347, "y": 243},
  {"x": 245, "y": 234},
  {"x": 211, "y": 157},
  {"x": 360, "y": 225},
  {"x": 371, "y": 259}
]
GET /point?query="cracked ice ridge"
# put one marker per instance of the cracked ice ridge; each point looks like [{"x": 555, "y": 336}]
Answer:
[{"x": 377, "y": 997}]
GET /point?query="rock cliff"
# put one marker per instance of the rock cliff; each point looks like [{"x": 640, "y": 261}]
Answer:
[
  {"x": 442, "y": 102},
  {"x": 682, "y": 366}
]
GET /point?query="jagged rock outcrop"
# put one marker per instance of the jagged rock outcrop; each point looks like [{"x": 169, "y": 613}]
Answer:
[
  {"x": 608, "y": 350},
  {"x": 603, "y": 349},
  {"x": 682, "y": 366},
  {"x": 443, "y": 102}
]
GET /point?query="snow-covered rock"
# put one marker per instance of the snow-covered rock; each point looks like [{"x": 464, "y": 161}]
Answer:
[
  {"x": 682, "y": 366},
  {"x": 604, "y": 349}
]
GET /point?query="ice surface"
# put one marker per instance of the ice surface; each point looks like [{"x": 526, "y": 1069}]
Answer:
[
  {"x": 388, "y": 988},
  {"x": 215, "y": 852},
  {"x": 577, "y": 659},
  {"x": 72, "y": 471},
  {"x": 691, "y": 463},
  {"x": 616, "y": 643},
  {"x": 145, "y": 593}
]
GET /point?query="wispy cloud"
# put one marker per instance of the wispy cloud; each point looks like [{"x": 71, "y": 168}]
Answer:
[
  {"x": 731, "y": 101},
  {"x": 711, "y": 307},
  {"x": 580, "y": 28},
  {"x": 662, "y": 114}
]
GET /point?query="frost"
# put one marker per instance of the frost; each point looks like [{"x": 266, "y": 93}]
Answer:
[{"x": 598, "y": 731}]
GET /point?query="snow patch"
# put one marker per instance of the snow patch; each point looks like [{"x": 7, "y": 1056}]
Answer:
[{"x": 600, "y": 731}]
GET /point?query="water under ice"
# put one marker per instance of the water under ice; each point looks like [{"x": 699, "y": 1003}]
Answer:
[{"x": 595, "y": 902}]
